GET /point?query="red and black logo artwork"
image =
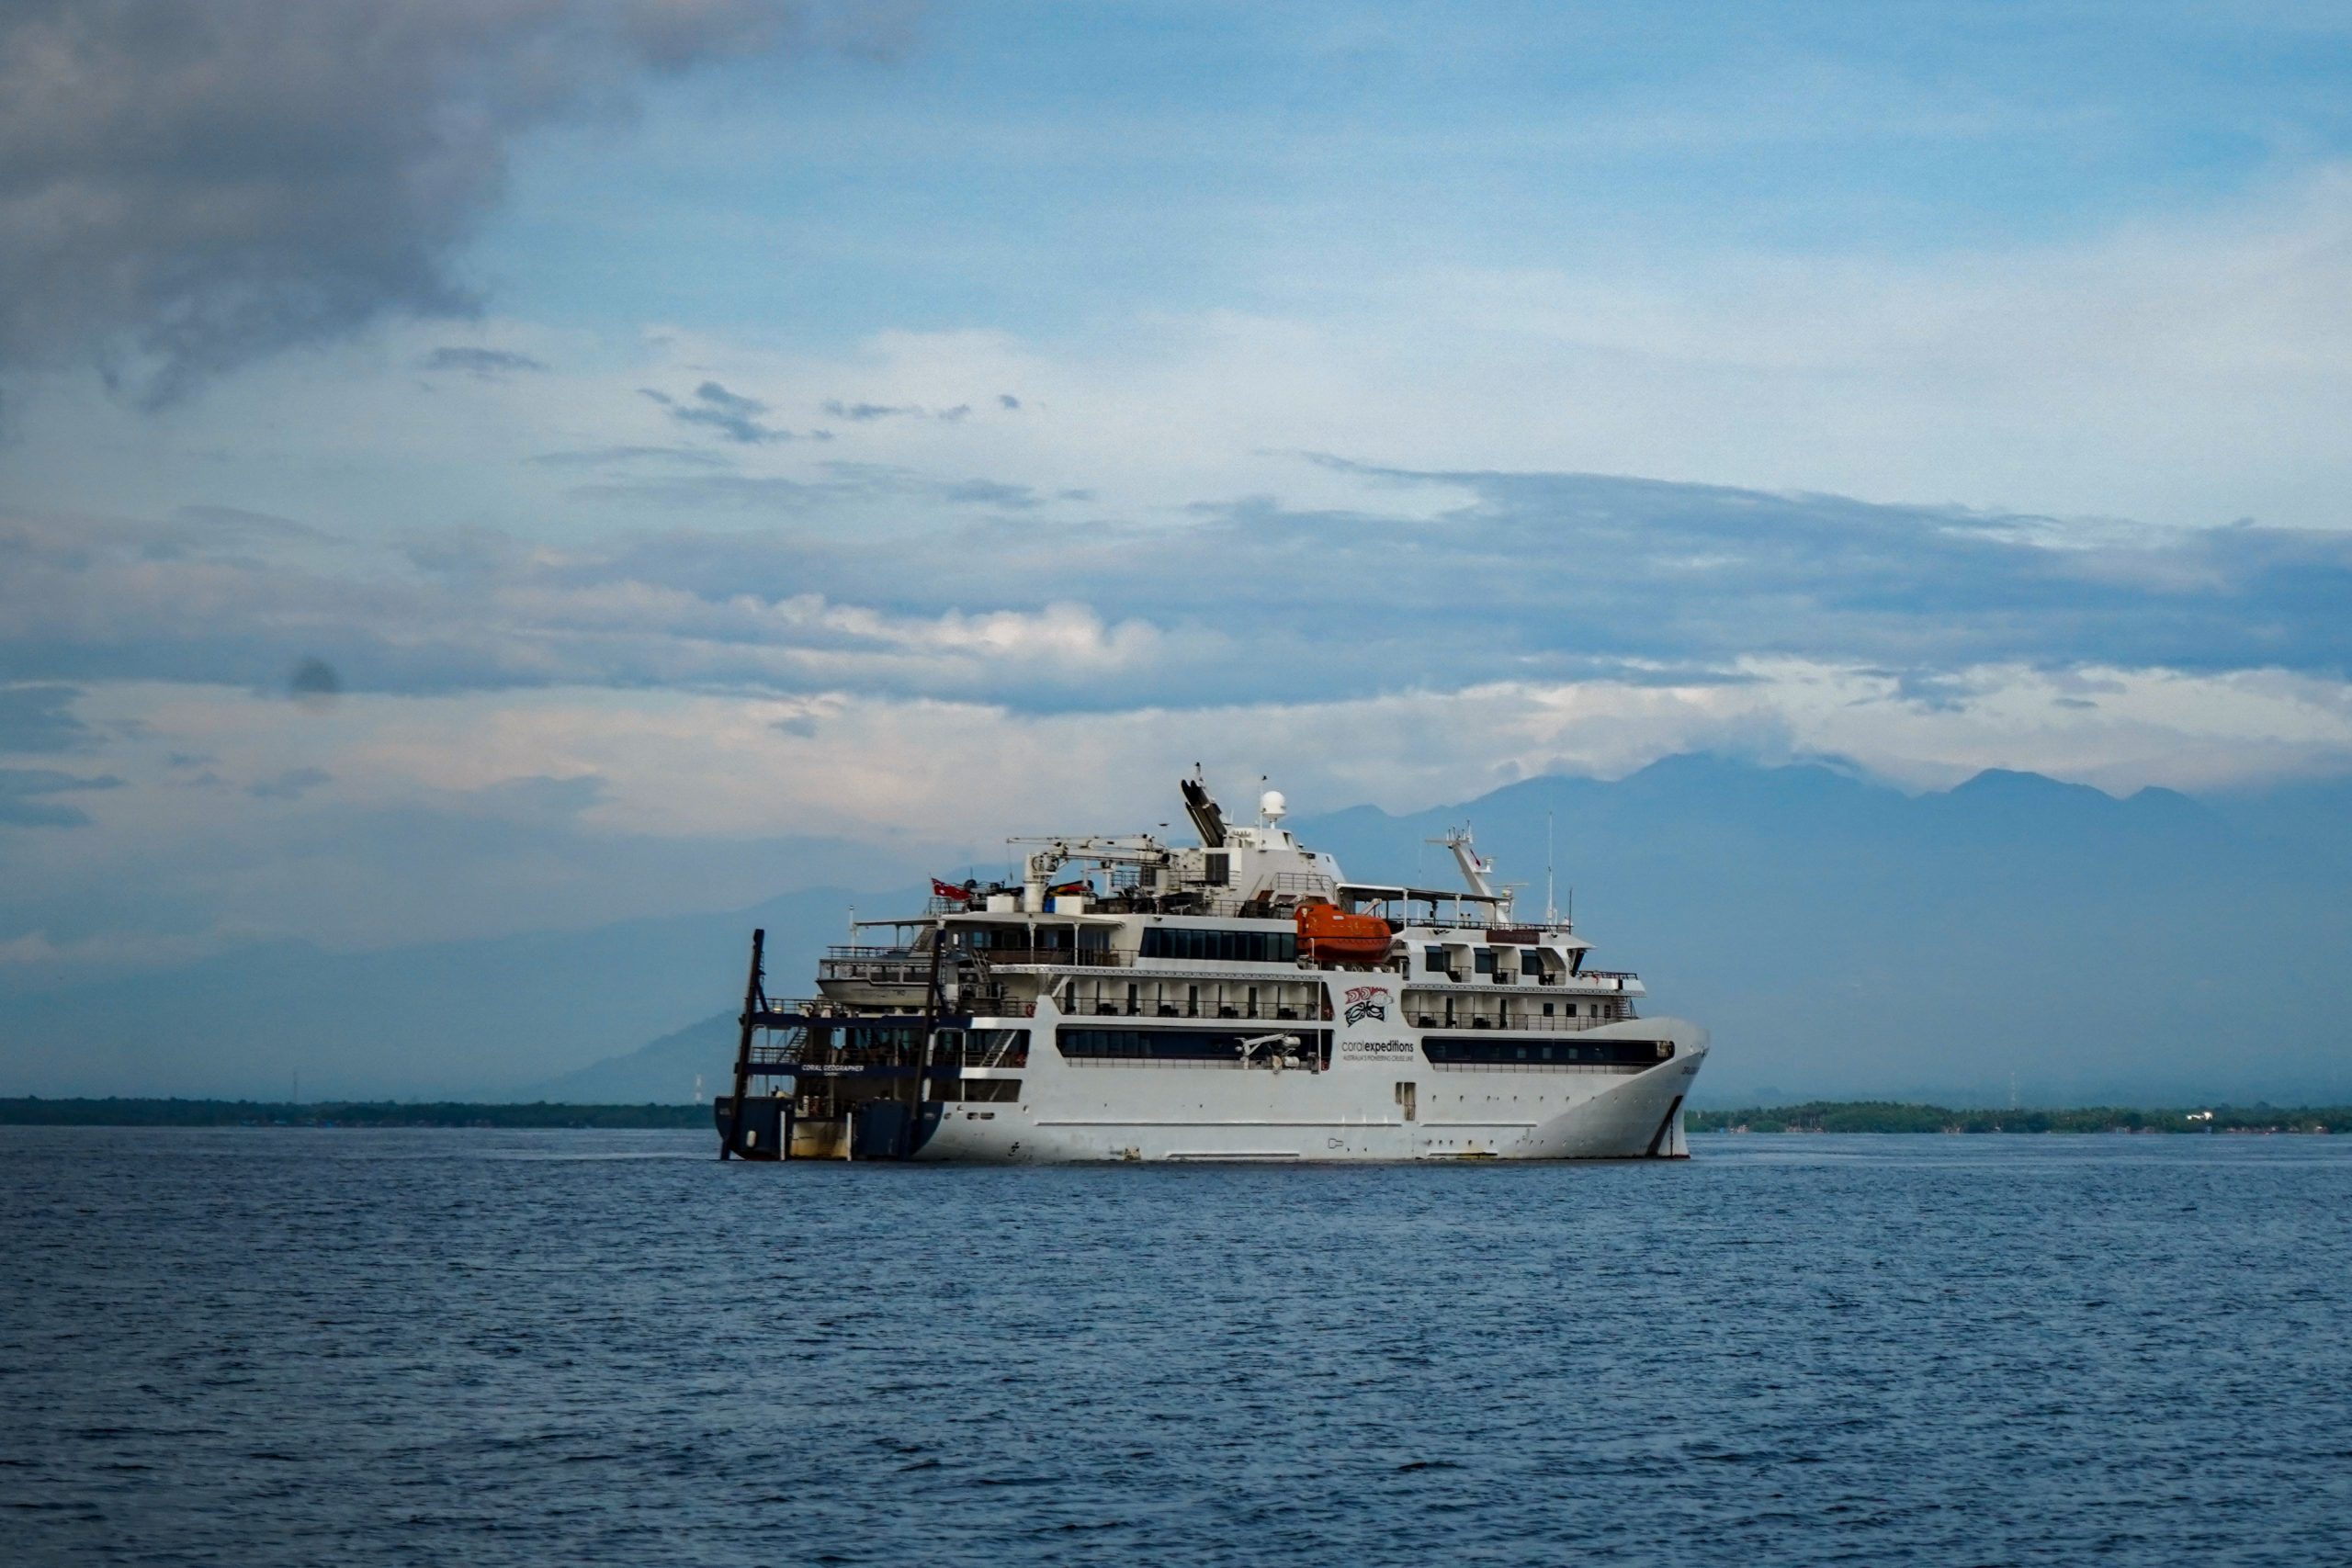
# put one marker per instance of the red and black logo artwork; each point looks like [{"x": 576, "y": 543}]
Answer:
[{"x": 1367, "y": 1001}]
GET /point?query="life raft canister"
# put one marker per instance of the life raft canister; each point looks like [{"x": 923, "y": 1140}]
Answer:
[{"x": 1328, "y": 932}]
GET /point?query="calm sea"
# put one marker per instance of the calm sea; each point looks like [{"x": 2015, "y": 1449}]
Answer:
[{"x": 285, "y": 1347}]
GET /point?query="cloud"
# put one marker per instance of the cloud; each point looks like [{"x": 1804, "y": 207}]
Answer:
[
  {"x": 621, "y": 456},
  {"x": 731, "y": 414},
  {"x": 313, "y": 682},
  {"x": 188, "y": 188},
  {"x": 861, "y": 414},
  {"x": 40, "y": 719},
  {"x": 840, "y": 492},
  {"x": 1523, "y": 577},
  {"x": 24, "y": 794},
  {"x": 865, "y": 414},
  {"x": 487, "y": 364},
  {"x": 292, "y": 784}
]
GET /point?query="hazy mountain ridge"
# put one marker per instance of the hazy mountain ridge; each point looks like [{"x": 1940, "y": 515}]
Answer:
[
  {"x": 1832, "y": 932},
  {"x": 1838, "y": 936},
  {"x": 488, "y": 1019}
]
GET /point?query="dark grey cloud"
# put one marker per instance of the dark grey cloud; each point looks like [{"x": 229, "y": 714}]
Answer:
[
  {"x": 865, "y": 414},
  {"x": 313, "y": 683},
  {"x": 1521, "y": 577},
  {"x": 842, "y": 487},
  {"x": 25, "y": 797},
  {"x": 185, "y": 187},
  {"x": 487, "y": 364},
  {"x": 292, "y": 784},
  {"x": 729, "y": 413},
  {"x": 623, "y": 457},
  {"x": 39, "y": 720},
  {"x": 1008, "y": 402}
]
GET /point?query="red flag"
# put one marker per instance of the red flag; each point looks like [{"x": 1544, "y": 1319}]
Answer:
[{"x": 949, "y": 890}]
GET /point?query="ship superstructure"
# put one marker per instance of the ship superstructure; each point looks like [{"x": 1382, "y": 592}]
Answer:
[{"x": 1239, "y": 999}]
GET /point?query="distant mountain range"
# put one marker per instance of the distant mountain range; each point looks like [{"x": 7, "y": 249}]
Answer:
[
  {"x": 1838, "y": 937},
  {"x": 507, "y": 1018}
]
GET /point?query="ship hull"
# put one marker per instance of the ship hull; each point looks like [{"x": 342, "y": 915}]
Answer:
[{"x": 1358, "y": 1110}]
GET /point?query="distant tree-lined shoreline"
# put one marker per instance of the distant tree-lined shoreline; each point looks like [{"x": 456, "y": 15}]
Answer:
[{"x": 1889, "y": 1116}]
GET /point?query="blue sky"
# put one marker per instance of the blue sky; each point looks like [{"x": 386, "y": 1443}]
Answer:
[
  {"x": 695, "y": 431},
  {"x": 1038, "y": 168}
]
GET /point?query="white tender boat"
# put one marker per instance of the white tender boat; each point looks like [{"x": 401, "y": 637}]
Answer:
[{"x": 1236, "y": 1000}]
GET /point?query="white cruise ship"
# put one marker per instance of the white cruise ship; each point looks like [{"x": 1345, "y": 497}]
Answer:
[{"x": 1239, "y": 999}]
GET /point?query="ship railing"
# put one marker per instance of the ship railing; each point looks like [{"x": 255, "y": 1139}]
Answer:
[
  {"x": 992, "y": 1007},
  {"x": 1066, "y": 957},
  {"x": 902, "y": 954},
  {"x": 1590, "y": 980},
  {"x": 1305, "y": 884},
  {"x": 966, "y": 1004},
  {"x": 1513, "y": 1023},
  {"x": 1146, "y": 1008},
  {"x": 1440, "y": 923},
  {"x": 875, "y": 972}
]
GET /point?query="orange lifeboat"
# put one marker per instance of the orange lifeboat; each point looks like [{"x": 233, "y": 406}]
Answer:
[{"x": 1329, "y": 934}]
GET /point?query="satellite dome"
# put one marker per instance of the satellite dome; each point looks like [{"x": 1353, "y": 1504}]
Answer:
[{"x": 1270, "y": 805}]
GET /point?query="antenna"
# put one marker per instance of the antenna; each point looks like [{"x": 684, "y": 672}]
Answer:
[{"x": 1551, "y": 911}]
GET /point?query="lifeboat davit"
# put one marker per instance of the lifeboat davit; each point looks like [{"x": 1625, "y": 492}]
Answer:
[{"x": 1329, "y": 934}]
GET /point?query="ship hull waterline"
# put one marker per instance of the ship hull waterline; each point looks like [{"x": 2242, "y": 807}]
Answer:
[{"x": 1357, "y": 1110}]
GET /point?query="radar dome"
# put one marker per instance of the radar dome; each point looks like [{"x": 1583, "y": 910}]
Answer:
[{"x": 1270, "y": 805}]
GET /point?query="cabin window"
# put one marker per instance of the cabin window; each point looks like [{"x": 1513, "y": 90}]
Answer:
[
  {"x": 996, "y": 1048},
  {"x": 1530, "y": 962},
  {"x": 1173, "y": 1044},
  {"x": 1484, "y": 958},
  {"x": 1470, "y": 1051}
]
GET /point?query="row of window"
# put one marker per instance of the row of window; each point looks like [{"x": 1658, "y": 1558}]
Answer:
[
  {"x": 1220, "y": 946},
  {"x": 1470, "y": 1051},
  {"x": 983, "y": 1047},
  {"x": 1486, "y": 960},
  {"x": 1030, "y": 939},
  {"x": 1431, "y": 1009},
  {"x": 1173, "y": 1044}
]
